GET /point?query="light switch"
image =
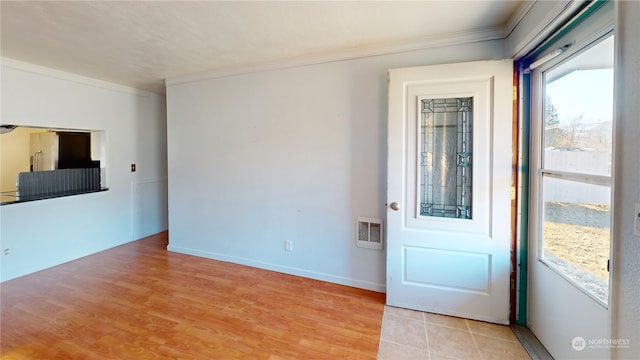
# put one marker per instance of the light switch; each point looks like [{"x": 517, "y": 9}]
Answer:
[{"x": 636, "y": 227}]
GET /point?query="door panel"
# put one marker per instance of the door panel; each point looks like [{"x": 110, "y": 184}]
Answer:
[
  {"x": 449, "y": 177},
  {"x": 571, "y": 178},
  {"x": 423, "y": 268}
]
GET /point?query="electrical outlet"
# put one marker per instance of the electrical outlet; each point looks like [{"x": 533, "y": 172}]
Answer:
[
  {"x": 288, "y": 245},
  {"x": 133, "y": 167},
  {"x": 7, "y": 251}
]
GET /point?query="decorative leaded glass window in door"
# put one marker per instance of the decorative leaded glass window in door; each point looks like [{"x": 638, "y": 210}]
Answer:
[{"x": 446, "y": 135}]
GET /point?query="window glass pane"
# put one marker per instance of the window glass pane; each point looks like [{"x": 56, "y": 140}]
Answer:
[
  {"x": 576, "y": 232},
  {"x": 579, "y": 112},
  {"x": 445, "y": 153}
]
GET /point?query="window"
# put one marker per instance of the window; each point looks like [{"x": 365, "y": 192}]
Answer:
[
  {"x": 39, "y": 163},
  {"x": 446, "y": 149},
  {"x": 576, "y": 167}
]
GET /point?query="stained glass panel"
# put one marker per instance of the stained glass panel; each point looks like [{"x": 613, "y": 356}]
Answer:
[{"x": 446, "y": 135}]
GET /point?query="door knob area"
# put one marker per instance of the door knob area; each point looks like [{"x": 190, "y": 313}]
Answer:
[{"x": 394, "y": 206}]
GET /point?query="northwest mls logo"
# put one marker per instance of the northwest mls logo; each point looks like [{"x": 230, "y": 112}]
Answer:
[{"x": 578, "y": 343}]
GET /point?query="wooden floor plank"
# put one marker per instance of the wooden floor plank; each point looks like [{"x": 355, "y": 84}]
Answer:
[{"x": 138, "y": 301}]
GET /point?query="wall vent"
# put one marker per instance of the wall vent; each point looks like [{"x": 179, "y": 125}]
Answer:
[{"x": 369, "y": 233}]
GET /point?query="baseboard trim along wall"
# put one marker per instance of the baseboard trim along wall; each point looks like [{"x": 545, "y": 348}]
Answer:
[{"x": 282, "y": 269}]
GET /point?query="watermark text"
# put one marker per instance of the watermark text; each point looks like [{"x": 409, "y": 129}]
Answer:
[{"x": 579, "y": 343}]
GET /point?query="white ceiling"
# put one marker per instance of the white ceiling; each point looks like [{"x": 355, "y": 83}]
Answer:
[{"x": 141, "y": 43}]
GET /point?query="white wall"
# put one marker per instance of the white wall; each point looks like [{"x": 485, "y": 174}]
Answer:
[
  {"x": 45, "y": 233},
  {"x": 294, "y": 154},
  {"x": 149, "y": 187},
  {"x": 625, "y": 287}
]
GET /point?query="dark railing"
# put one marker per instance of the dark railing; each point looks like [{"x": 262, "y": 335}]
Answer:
[{"x": 45, "y": 184}]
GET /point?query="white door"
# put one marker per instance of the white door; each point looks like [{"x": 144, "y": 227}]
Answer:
[
  {"x": 570, "y": 218},
  {"x": 449, "y": 182}
]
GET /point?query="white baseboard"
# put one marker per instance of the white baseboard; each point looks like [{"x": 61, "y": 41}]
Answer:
[{"x": 361, "y": 284}]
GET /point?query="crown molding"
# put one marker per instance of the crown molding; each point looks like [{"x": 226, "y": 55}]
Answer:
[
  {"x": 517, "y": 17},
  {"x": 63, "y": 75},
  {"x": 347, "y": 54}
]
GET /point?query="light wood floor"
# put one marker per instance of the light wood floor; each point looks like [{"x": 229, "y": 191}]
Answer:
[{"x": 138, "y": 301}]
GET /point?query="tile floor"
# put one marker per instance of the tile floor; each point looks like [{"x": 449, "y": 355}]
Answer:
[{"x": 408, "y": 335}]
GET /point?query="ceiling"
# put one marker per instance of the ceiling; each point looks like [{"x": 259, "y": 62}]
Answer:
[{"x": 141, "y": 43}]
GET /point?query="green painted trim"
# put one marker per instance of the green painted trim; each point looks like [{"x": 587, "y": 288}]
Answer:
[{"x": 523, "y": 170}]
